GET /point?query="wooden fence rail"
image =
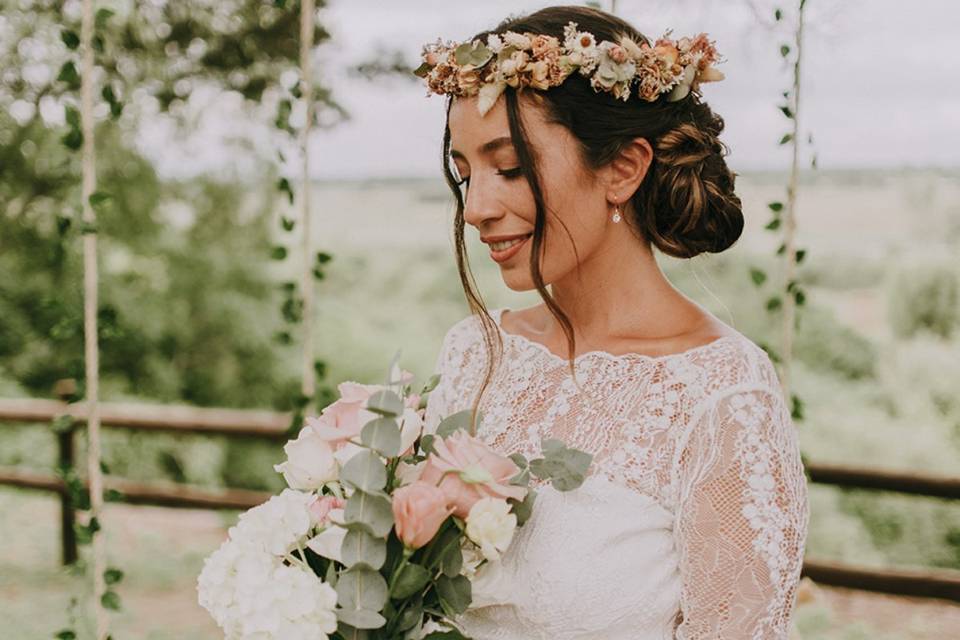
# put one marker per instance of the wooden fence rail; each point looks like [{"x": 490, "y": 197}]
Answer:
[{"x": 944, "y": 584}]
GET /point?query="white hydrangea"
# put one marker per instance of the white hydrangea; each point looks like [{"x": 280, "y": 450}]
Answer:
[
  {"x": 253, "y": 595},
  {"x": 278, "y": 524},
  {"x": 216, "y": 586}
]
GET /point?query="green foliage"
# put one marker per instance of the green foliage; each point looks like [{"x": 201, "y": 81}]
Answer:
[
  {"x": 825, "y": 345},
  {"x": 924, "y": 297}
]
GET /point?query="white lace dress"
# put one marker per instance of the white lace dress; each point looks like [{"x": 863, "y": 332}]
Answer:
[{"x": 692, "y": 521}]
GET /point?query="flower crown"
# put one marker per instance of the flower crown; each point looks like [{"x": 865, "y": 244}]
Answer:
[{"x": 671, "y": 67}]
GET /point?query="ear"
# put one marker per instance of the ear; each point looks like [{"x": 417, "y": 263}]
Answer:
[{"x": 627, "y": 170}]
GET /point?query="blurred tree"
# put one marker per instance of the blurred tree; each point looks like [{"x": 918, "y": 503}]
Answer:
[{"x": 186, "y": 309}]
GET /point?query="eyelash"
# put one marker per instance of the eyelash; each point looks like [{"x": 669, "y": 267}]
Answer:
[{"x": 509, "y": 174}]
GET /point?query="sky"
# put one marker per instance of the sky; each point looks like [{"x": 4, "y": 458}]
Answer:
[{"x": 881, "y": 83}]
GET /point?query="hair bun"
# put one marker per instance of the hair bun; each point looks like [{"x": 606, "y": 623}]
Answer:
[{"x": 692, "y": 205}]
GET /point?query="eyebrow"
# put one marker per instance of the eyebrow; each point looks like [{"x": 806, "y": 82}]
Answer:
[{"x": 486, "y": 147}]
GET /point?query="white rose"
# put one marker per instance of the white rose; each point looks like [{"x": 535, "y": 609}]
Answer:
[
  {"x": 327, "y": 543},
  {"x": 491, "y": 525},
  {"x": 310, "y": 462}
]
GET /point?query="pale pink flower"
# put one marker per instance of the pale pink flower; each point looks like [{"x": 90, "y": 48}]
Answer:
[
  {"x": 321, "y": 507},
  {"x": 487, "y": 472},
  {"x": 419, "y": 509}
]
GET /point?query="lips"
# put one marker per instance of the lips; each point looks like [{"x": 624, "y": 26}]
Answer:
[{"x": 509, "y": 252}]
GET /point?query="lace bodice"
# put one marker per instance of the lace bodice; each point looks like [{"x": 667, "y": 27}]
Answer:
[{"x": 692, "y": 522}]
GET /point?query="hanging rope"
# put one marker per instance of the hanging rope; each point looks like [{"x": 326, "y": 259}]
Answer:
[
  {"x": 91, "y": 350},
  {"x": 306, "y": 282}
]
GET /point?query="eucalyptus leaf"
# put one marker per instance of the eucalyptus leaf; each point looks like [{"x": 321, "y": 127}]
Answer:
[
  {"x": 523, "y": 509},
  {"x": 385, "y": 402},
  {"x": 361, "y": 619},
  {"x": 565, "y": 468},
  {"x": 382, "y": 434},
  {"x": 365, "y": 471},
  {"x": 361, "y": 587},
  {"x": 412, "y": 578},
  {"x": 360, "y": 546},
  {"x": 455, "y": 593},
  {"x": 373, "y": 511},
  {"x": 519, "y": 460},
  {"x": 458, "y": 420}
]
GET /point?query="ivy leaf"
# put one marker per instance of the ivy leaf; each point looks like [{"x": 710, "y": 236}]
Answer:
[
  {"x": 787, "y": 137},
  {"x": 778, "y": 15},
  {"x": 278, "y": 253},
  {"x": 784, "y": 50},
  {"x": 110, "y": 600},
  {"x": 70, "y": 38},
  {"x": 774, "y": 303},
  {"x": 786, "y": 111},
  {"x": 101, "y": 17},
  {"x": 284, "y": 185},
  {"x": 801, "y": 254},
  {"x": 796, "y": 407},
  {"x": 775, "y": 206},
  {"x": 68, "y": 74},
  {"x": 287, "y": 223},
  {"x": 758, "y": 276},
  {"x": 97, "y": 199},
  {"x": 112, "y": 575},
  {"x": 773, "y": 225}
]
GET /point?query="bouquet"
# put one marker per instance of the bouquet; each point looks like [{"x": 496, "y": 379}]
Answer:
[{"x": 382, "y": 525}]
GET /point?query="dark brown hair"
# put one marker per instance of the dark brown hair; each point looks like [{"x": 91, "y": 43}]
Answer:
[{"x": 684, "y": 206}]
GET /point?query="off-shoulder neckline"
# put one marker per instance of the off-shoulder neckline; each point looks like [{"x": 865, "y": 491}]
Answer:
[{"x": 598, "y": 353}]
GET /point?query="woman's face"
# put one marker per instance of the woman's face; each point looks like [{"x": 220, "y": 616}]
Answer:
[{"x": 499, "y": 202}]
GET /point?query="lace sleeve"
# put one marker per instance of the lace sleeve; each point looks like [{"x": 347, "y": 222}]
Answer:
[{"x": 741, "y": 521}]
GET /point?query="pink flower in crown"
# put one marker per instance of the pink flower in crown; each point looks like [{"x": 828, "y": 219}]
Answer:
[{"x": 470, "y": 470}]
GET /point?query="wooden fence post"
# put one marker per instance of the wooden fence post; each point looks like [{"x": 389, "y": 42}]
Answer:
[{"x": 64, "y": 389}]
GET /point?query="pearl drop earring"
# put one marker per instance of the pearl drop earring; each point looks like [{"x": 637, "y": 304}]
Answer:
[{"x": 616, "y": 214}]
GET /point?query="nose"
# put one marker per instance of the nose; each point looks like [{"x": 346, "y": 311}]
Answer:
[{"x": 480, "y": 204}]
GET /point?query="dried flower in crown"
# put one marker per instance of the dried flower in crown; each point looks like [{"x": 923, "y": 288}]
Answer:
[{"x": 671, "y": 67}]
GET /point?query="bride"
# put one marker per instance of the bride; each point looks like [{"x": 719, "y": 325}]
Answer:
[{"x": 693, "y": 518}]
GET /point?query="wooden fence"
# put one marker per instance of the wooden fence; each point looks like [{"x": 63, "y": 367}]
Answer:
[{"x": 931, "y": 583}]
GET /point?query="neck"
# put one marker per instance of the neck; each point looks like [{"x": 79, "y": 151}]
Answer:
[{"x": 619, "y": 292}]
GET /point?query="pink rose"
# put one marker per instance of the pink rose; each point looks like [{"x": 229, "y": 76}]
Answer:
[
  {"x": 419, "y": 509},
  {"x": 321, "y": 507},
  {"x": 487, "y": 472},
  {"x": 344, "y": 419}
]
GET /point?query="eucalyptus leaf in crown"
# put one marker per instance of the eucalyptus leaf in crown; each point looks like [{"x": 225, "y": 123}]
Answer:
[{"x": 670, "y": 67}]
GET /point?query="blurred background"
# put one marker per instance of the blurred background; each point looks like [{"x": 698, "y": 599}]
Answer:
[{"x": 197, "y": 111}]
